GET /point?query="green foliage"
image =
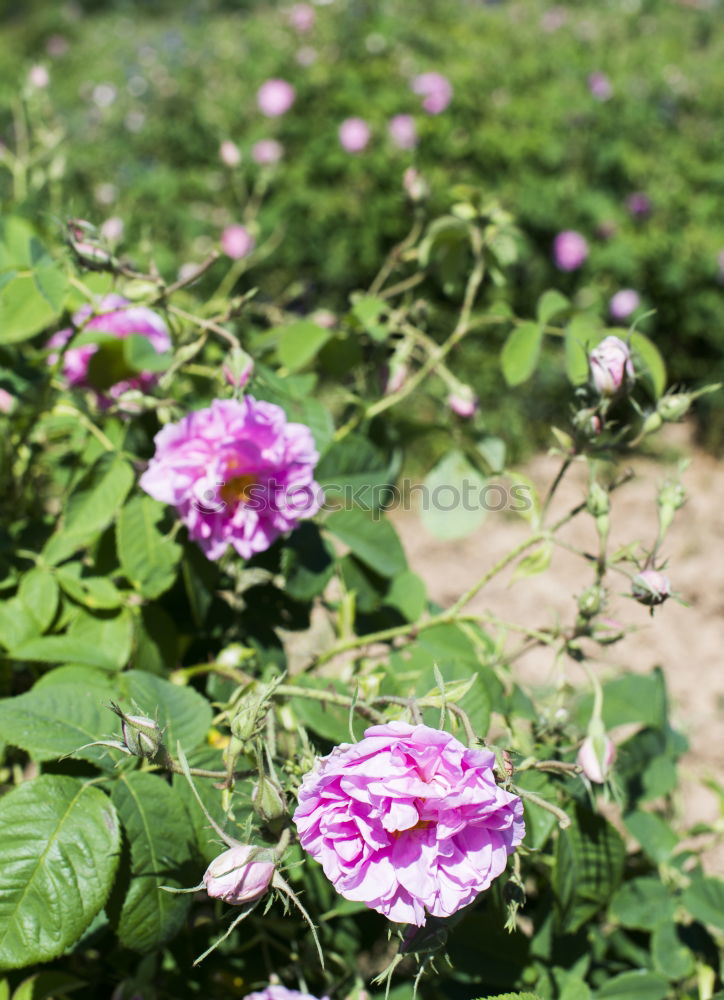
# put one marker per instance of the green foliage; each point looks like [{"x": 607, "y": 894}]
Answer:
[{"x": 59, "y": 850}]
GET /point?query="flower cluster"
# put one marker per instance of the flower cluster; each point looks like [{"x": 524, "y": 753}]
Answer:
[
  {"x": 408, "y": 821},
  {"x": 238, "y": 473}
]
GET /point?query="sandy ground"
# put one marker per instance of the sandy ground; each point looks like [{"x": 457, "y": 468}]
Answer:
[{"x": 686, "y": 641}]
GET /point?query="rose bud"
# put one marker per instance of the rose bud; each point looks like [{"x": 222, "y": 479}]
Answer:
[
  {"x": 463, "y": 402},
  {"x": 235, "y": 879},
  {"x": 651, "y": 587},
  {"x": 141, "y": 734},
  {"x": 611, "y": 366},
  {"x": 238, "y": 368},
  {"x": 267, "y": 799},
  {"x": 82, "y": 238},
  {"x": 591, "y": 601},
  {"x": 415, "y": 185},
  {"x": 596, "y": 766}
]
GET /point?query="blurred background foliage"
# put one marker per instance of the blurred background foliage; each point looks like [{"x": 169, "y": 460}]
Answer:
[{"x": 142, "y": 94}]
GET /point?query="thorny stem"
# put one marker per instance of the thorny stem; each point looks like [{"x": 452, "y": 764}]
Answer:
[
  {"x": 566, "y": 464},
  {"x": 332, "y": 698},
  {"x": 564, "y": 820},
  {"x": 393, "y": 258}
]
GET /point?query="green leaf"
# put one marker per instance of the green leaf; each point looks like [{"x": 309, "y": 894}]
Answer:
[
  {"x": 56, "y": 719},
  {"x": 671, "y": 956},
  {"x": 92, "y": 506},
  {"x": 32, "y": 285},
  {"x": 95, "y": 592},
  {"x": 157, "y": 831},
  {"x": 372, "y": 539},
  {"x": 637, "y": 985},
  {"x": 581, "y": 334},
  {"x": 328, "y": 721},
  {"x": 353, "y": 471},
  {"x": 550, "y": 304},
  {"x": 59, "y": 848},
  {"x": 17, "y": 624},
  {"x": 148, "y": 558},
  {"x": 408, "y": 595},
  {"x": 588, "y": 866},
  {"x": 111, "y": 632},
  {"x": 513, "y": 996},
  {"x": 633, "y": 698},
  {"x": 142, "y": 356},
  {"x": 39, "y": 593},
  {"x": 648, "y": 357},
  {"x": 299, "y": 343},
  {"x": 655, "y": 836},
  {"x": 453, "y": 504},
  {"x": 704, "y": 899},
  {"x": 67, "y": 649},
  {"x": 520, "y": 353},
  {"x": 183, "y": 714},
  {"x": 534, "y": 562},
  {"x": 642, "y": 903},
  {"x": 367, "y": 309}
]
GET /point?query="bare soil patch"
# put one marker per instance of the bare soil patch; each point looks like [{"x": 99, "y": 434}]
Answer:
[{"x": 687, "y": 642}]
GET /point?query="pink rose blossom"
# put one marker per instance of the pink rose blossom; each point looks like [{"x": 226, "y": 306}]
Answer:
[
  {"x": 325, "y": 318},
  {"x": 237, "y": 368},
  {"x": 611, "y": 366},
  {"x": 237, "y": 242},
  {"x": 235, "y": 879},
  {"x": 237, "y": 472},
  {"x": 408, "y": 821},
  {"x": 275, "y": 98},
  {"x": 600, "y": 87},
  {"x": 569, "y": 250},
  {"x": 623, "y": 303},
  {"x": 278, "y": 992},
  {"x": 229, "y": 153},
  {"x": 651, "y": 587},
  {"x": 266, "y": 152},
  {"x": 354, "y": 134},
  {"x": 594, "y": 767},
  {"x": 302, "y": 17},
  {"x": 435, "y": 89},
  {"x": 116, "y": 316},
  {"x": 463, "y": 402},
  {"x": 403, "y": 131},
  {"x": 7, "y": 401}
]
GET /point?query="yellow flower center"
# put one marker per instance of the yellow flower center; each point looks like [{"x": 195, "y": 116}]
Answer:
[{"x": 238, "y": 489}]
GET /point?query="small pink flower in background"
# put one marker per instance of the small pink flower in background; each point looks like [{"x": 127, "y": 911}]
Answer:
[
  {"x": 38, "y": 77},
  {"x": 600, "y": 86},
  {"x": 302, "y": 17},
  {"x": 553, "y": 19},
  {"x": 611, "y": 366},
  {"x": 118, "y": 317},
  {"x": 238, "y": 473},
  {"x": 56, "y": 46},
  {"x": 235, "y": 879},
  {"x": 7, "y": 401},
  {"x": 435, "y": 90},
  {"x": 594, "y": 768},
  {"x": 569, "y": 250},
  {"x": 651, "y": 587},
  {"x": 237, "y": 242},
  {"x": 306, "y": 55},
  {"x": 403, "y": 131},
  {"x": 354, "y": 134},
  {"x": 396, "y": 378},
  {"x": 623, "y": 303},
  {"x": 112, "y": 229},
  {"x": 325, "y": 318},
  {"x": 408, "y": 821},
  {"x": 266, "y": 152},
  {"x": 275, "y": 97},
  {"x": 415, "y": 185},
  {"x": 638, "y": 204},
  {"x": 229, "y": 153},
  {"x": 278, "y": 992},
  {"x": 463, "y": 402}
]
